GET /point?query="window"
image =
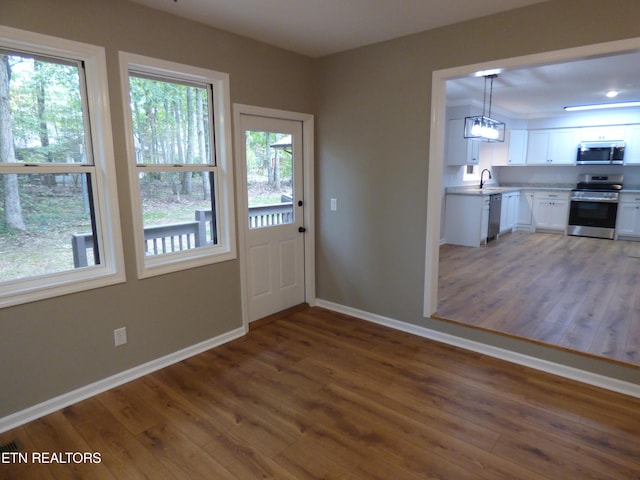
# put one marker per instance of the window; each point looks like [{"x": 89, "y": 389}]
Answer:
[
  {"x": 178, "y": 143},
  {"x": 59, "y": 223}
]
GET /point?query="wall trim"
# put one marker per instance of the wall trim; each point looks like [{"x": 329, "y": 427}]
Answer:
[
  {"x": 546, "y": 366},
  {"x": 54, "y": 404}
]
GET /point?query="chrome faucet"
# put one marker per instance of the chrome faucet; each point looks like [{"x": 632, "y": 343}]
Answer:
[{"x": 482, "y": 173}]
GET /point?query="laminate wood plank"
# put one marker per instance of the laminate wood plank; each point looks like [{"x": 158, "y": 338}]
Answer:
[
  {"x": 541, "y": 452},
  {"x": 575, "y": 293},
  {"x": 180, "y": 456},
  {"x": 243, "y": 460},
  {"x": 125, "y": 456},
  {"x": 53, "y": 434},
  {"x": 129, "y": 408},
  {"x": 315, "y": 394},
  {"x": 18, "y": 469},
  {"x": 186, "y": 417},
  {"x": 378, "y": 469}
]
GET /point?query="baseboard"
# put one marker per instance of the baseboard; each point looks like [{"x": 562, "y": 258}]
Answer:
[
  {"x": 32, "y": 413},
  {"x": 564, "y": 371}
]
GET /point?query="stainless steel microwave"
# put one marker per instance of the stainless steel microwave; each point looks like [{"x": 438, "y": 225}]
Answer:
[{"x": 600, "y": 153}]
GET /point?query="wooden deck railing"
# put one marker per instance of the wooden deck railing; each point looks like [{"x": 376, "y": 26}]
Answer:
[
  {"x": 175, "y": 237},
  {"x": 268, "y": 215}
]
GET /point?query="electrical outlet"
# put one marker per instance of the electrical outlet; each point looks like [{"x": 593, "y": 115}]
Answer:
[
  {"x": 334, "y": 204},
  {"x": 120, "y": 336}
]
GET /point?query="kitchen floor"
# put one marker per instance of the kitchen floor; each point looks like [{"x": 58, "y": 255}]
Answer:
[{"x": 577, "y": 293}]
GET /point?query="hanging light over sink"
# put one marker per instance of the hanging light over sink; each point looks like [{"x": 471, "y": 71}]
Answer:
[{"x": 482, "y": 127}]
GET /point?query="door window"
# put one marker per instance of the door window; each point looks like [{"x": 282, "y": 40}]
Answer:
[{"x": 270, "y": 194}]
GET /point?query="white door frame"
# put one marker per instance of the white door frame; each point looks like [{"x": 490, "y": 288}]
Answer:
[{"x": 308, "y": 205}]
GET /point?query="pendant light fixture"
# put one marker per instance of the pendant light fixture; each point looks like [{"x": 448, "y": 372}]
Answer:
[{"x": 482, "y": 127}]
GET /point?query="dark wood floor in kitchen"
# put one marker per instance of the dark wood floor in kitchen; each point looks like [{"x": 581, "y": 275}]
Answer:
[
  {"x": 573, "y": 292},
  {"x": 314, "y": 394}
]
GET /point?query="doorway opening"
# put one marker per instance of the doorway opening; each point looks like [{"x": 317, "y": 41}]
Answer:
[{"x": 436, "y": 190}]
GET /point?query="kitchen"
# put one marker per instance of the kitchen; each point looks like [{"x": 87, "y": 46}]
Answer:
[{"x": 532, "y": 175}]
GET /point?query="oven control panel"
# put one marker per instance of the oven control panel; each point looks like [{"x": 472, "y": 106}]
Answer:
[{"x": 594, "y": 196}]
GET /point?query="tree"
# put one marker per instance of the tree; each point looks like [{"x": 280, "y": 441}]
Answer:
[
  {"x": 202, "y": 149},
  {"x": 12, "y": 207}
]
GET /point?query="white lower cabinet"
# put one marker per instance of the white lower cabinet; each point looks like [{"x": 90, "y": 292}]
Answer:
[
  {"x": 525, "y": 211},
  {"x": 550, "y": 210},
  {"x": 509, "y": 211},
  {"x": 466, "y": 219},
  {"x": 628, "y": 220}
]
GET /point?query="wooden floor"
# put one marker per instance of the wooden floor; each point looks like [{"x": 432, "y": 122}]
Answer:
[
  {"x": 577, "y": 293},
  {"x": 313, "y": 394}
]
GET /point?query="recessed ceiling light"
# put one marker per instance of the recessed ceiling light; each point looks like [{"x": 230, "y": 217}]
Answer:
[
  {"x": 485, "y": 73},
  {"x": 612, "y": 93}
]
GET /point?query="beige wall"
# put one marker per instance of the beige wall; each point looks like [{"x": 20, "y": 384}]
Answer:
[
  {"x": 373, "y": 128},
  {"x": 53, "y": 346}
]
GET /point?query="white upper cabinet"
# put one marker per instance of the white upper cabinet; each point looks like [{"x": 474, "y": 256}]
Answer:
[
  {"x": 513, "y": 151},
  {"x": 601, "y": 134},
  {"x": 552, "y": 147},
  {"x": 632, "y": 145},
  {"x": 460, "y": 151},
  {"x": 517, "y": 147}
]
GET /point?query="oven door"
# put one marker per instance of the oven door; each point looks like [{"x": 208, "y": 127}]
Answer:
[{"x": 592, "y": 218}]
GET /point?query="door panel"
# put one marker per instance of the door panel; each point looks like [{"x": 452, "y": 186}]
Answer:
[{"x": 273, "y": 190}]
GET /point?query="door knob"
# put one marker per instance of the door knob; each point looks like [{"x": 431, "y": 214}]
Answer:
[
  {"x": 302, "y": 229},
  {"x": 299, "y": 203}
]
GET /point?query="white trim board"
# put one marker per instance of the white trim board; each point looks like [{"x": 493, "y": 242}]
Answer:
[
  {"x": 553, "y": 368},
  {"x": 54, "y": 404}
]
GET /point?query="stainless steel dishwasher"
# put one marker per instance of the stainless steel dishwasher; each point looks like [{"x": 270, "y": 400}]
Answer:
[{"x": 495, "y": 206}]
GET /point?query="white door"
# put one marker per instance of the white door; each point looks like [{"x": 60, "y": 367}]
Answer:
[{"x": 273, "y": 212}]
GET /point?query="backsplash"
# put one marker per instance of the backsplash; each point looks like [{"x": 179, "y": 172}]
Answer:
[{"x": 561, "y": 175}]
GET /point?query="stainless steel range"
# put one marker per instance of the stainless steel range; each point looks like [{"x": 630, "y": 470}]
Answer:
[{"x": 594, "y": 206}]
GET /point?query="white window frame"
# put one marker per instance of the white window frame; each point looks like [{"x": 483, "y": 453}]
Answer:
[
  {"x": 225, "y": 249},
  {"x": 111, "y": 269}
]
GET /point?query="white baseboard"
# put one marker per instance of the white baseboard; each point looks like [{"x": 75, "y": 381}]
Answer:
[
  {"x": 49, "y": 406},
  {"x": 564, "y": 371}
]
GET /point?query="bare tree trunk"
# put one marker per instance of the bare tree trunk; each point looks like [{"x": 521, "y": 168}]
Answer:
[
  {"x": 202, "y": 146},
  {"x": 178, "y": 141},
  {"x": 276, "y": 168},
  {"x": 191, "y": 140},
  {"x": 267, "y": 146},
  {"x": 43, "y": 131},
  {"x": 12, "y": 207}
]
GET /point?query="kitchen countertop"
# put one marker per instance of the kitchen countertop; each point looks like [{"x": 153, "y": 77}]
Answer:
[{"x": 504, "y": 188}]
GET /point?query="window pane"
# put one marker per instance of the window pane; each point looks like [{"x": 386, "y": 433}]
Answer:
[
  {"x": 269, "y": 178},
  {"x": 38, "y": 218},
  {"x": 177, "y": 210},
  {"x": 44, "y": 119},
  {"x": 171, "y": 122}
]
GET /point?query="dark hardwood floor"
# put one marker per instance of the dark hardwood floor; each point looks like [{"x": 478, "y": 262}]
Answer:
[
  {"x": 313, "y": 394},
  {"x": 577, "y": 293}
]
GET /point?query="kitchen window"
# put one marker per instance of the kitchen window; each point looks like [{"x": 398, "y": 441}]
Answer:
[
  {"x": 177, "y": 119},
  {"x": 59, "y": 222}
]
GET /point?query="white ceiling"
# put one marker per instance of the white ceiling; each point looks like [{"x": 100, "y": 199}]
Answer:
[
  {"x": 322, "y": 27},
  {"x": 545, "y": 90}
]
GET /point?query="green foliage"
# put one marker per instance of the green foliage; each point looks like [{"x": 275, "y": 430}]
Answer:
[
  {"x": 47, "y": 112},
  {"x": 170, "y": 121}
]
